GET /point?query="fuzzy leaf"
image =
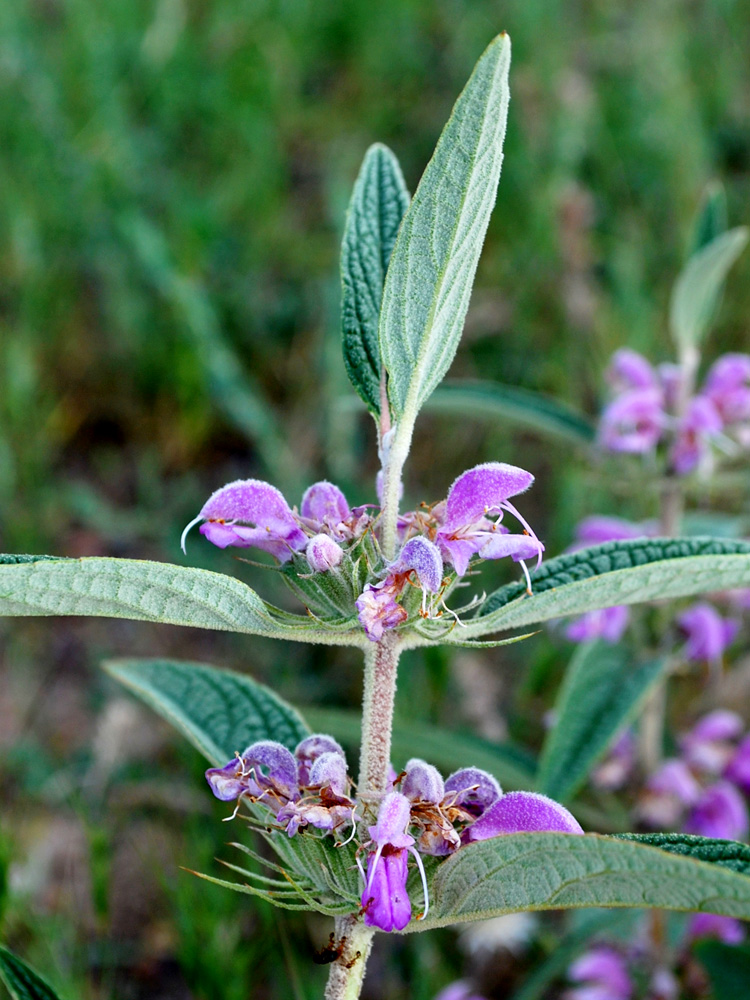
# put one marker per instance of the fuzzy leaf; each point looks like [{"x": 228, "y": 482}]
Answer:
[
  {"x": 601, "y": 692},
  {"x": 516, "y": 406},
  {"x": 21, "y": 980},
  {"x": 378, "y": 203},
  {"x": 218, "y": 711},
  {"x": 727, "y": 853},
  {"x": 432, "y": 269},
  {"x": 514, "y": 768},
  {"x": 544, "y": 871},
  {"x": 711, "y": 218},
  {"x": 151, "y": 591},
  {"x": 697, "y": 289},
  {"x": 627, "y": 572}
]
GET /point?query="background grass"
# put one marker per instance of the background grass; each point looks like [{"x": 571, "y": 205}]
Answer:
[{"x": 173, "y": 180}]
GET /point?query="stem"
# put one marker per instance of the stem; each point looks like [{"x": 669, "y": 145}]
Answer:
[
  {"x": 381, "y": 664},
  {"x": 348, "y": 971},
  {"x": 393, "y": 466}
]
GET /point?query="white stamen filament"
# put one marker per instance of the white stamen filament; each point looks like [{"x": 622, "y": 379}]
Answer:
[
  {"x": 417, "y": 858},
  {"x": 196, "y": 520},
  {"x": 350, "y": 838}
]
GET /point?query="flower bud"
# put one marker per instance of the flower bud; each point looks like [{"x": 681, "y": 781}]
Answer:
[{"x": 323, "y": 553}]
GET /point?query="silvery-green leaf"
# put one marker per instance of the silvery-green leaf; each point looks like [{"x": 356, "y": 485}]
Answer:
[
  {"x": 219, "y": 711},
  {"x": 432, "y": 268},
  {"x": 154, "y": 592},
  {"x": 513, "y": 405},
  {"x": 513, "y": 767},
  {"x": 22, "y": 982},
  {"x": 711, "y": 218},
  {"x": 378, "y": 203},
  {"x": 600, "y": 694},
  {"x": 546, "y": 871},
  {"x": 626, "y": 572},
  {"x": 697, "y": 289}
]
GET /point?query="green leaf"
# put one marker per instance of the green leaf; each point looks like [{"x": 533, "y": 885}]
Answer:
[
  {"x": 378, "y": 203},
  {"x": 21, "y": 980},
  {"x": 626, "y": 572},
  {"x": 218, "y": 711},
  {"x": 154, "y": 592},
  {"x": 711, "y": 218},
  {"x": 513, "y": 767},
  {"x": 432, "y": 269},
  {"x": 545, "y": 871},
  {"x": 601, "y": 692},
  {"x": 696, "y": 291},
  {"x": 727, "y": 853},
  {"x": 517, "y": 406},
  {"x": 727, "y": 966}
]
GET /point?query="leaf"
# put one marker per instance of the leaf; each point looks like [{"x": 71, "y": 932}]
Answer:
[
  {"x": 711, "y": 218},
  {"x": 697, "y": 289},
  {"x": 151, "y": 591},
  {"x": 518, "y": 406},
  {"x": 727, "y": 853},
  {"x": 21, "y": 980},
  {"x": 625, "y": 572},
  {"x": 378, "y": 203},
  {"x": 727, "y": 966},
  {"x": 432, "y": 269},
  {"x": 218, "y": 711},
  {"x": 601, "y": 692},
  {"x": 544, "y": 871},
  {"x": 512, "y": 766}
]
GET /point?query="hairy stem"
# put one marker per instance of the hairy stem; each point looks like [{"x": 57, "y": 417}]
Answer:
[
  {"x": 394, "y": 458},
  {"x": 348, "y": 971},
  {"x": 381, "y": 664}
]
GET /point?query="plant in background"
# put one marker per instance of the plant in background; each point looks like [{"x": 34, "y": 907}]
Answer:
[{"x": 404, "y": 850}]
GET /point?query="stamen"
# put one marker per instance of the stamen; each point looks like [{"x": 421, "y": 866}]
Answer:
[
  {"x": 509, "y": 507},
  {"x": 350, "y": 838},
  {"x": 361, "y": 869},
  {"x": 226, "y": 819},
  {"x": 374, "y": 866},
  {"x": 528, "y": 578},
  {"x": 423, "y": 875},
  {"x": 196, "y": 520}
]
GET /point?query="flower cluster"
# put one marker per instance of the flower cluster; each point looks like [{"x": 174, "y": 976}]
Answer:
[
  {"x": 420, "y": 814},
  {"x": 436, "y": 817},
  {"x": 703, "y": 789},
  {"x": 328, "y": 537},
  {"x": 309, "y": 787},
  {"x": 653, "y": 406}
]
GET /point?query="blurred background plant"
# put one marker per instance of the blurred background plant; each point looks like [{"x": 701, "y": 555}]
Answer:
[{"x": 174, "y": 181}]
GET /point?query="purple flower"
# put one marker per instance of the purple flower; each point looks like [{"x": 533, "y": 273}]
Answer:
[
  {"x": 708, "y": 746},
  {"x": 708, "y": 634},
  {"x": 264, "y": 768},
  {"x": 712, "y": 925},
  {"x": 308, "y": 751},
  {"x": 597, "y": 529},
  {"x": 466, "y": 528},
  {"x": 738, "y": 769},
  {"x": 608, "y": 624},
  {"x": 669, "y": 790},
  {"x": 522, "y": 812},
  {"x": 630, "y": 370},
  {"x": 602, "y": 974},
  {"x": 460, "y": 990},
  {"x": 385, "y": 900},
  {"x": 473, "y": 790},
  {"x": 324, "y": 505},
  {"x": 323, "y": 553},
  {"x": 248, "y": 513},
  {"x": 695, "y": 431},
  {"x": 720, "y": 812},
  {"x": 727, "y": 384},
  {"x": 633, "y": 422},
  {"x": 378, "y": 610}
]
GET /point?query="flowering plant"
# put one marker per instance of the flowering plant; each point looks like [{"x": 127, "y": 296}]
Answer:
[{"x": 406, "y": 850}]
